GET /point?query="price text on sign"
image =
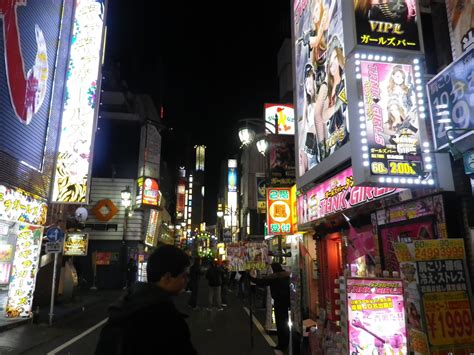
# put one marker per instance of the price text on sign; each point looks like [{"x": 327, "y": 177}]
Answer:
[
  {"x": 439, "y": 249},
  {"x": 449, "y": 318}
]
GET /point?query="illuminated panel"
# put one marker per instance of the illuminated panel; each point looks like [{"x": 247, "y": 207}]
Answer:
[
  {"x": 76, "y": 244},
  {"x": 18, "y": 205},
  {"x": 283, "y": 114},
  {"x": 24, "y": 270},
  {"x": 71, "y": 181},
  {"x": 279, "y": 215},
  {"x": 151, "y": 228},
  {"x": 391, "y": 121},
  {"x": 387, "y": 24},
  {"x": 232, "y": 180},
  {"x": 200, "y": 157}
]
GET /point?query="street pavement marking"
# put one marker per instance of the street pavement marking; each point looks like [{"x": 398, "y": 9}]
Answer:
[
  {"x": 73, "y": 340},
  {"x": 260, "y": 328}
]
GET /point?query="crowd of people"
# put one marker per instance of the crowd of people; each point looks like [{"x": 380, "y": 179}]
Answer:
[{"x": 170, "y": 272}]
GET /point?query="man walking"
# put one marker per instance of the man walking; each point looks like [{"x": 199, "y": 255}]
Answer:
[
  {"x": 145, "y": 320},
  {"x": 214, "y": 277},
  {"x": 279, "y": 283}
]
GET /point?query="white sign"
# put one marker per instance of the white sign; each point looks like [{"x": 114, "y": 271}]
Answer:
[
  {"x": 53, "y": 247},
  {"x": 281, "y": 114}
]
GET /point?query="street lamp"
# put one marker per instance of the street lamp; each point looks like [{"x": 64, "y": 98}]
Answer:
[
  {"x": 262, "y": 146},
  {"x": 220, "y": 214},
  {"x": 126, "y": 197},
  {"x": 247, "y": 135}
]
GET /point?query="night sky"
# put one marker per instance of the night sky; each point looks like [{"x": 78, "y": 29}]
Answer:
[{"x": 207, "y": 63}]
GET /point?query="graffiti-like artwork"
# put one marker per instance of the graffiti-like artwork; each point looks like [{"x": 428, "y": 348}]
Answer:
[{"x": 26, "y": 92}]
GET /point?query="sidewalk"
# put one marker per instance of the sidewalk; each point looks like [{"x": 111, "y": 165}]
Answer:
[{"x": 79, "y": 303}]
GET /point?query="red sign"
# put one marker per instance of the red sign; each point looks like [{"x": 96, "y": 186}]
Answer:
[
  {"x": 148, "y": 192},
  {"x": 279, "y": 216}
]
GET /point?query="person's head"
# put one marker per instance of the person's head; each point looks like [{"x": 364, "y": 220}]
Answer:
[
  {"x": 318, "y": 11},
  {"x": 397, "y": 80},
  {"x": 362, "y": 6},
  {"x": 276, "y": 267},
  {"x": 396, "y": 113},
  {"x": 168, "y": 267},
  {"x": 309, "y": 84}
]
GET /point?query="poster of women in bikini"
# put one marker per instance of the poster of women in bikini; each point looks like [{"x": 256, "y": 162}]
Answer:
[
  {"x": 321, "y": 103},
  {"x": 391, "y": 112},
  {"x": 387, "y": 23}
]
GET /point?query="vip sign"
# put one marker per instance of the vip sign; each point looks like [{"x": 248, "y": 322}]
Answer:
[
  {"x": 390, "y": 138},
  {"x": 279, "y": 215}
]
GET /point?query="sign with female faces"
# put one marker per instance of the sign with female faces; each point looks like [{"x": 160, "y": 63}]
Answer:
[
  {"x": 321, "y": 102},
  {"x": 387, "y": 24}
]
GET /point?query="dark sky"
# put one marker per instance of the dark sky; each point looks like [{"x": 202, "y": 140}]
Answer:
[{"x": 208, "y": 63}]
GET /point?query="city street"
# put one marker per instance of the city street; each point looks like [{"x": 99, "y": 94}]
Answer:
[{"x": 213, "y": 333}]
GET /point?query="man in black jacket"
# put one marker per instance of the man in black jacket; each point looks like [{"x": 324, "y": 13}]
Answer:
[
  {"x": 145, "y": 320},
  {"x": 279, "y": 283}
]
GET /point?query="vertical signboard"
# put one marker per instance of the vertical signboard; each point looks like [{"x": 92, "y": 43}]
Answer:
[
  {"x": 376, "y": 316},
  {"x": 71, "y": 181},
  {"x": 281, "y": 114},
  {"x": 232, "y": 179},
  {"x": 450, "y": 96},
  {"x": 320, "y": 95},
  {"x": 150, "y": 238},
  {"x": 282, "y": 160},
  {"x": 279, "y": 214},
  {"x": 148, "y": 192},
  {"x": 387, "y": 24}
]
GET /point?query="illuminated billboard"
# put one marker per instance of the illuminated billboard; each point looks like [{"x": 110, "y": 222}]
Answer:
[
  {"x": 75, "y": 244},
  {"x": 320, "y": 95},
  {"x": 281, "y": 114},
  {"x": 232, "y": 179},
  {"x": 148, "y": 192},
  {"x": 150, "y": 238},
  {"x": 450, "y": 96},
  {"x": 389, "y": 142},
  {"x": 72, "y": 177},
  {"x": 279, "y": 213},
  {"x": 387, "y": 24}
]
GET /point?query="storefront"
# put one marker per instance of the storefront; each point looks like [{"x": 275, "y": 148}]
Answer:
[{"x": 21, "y": 232}]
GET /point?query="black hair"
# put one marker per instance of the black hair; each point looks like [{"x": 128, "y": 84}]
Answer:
[
  {"x": 166, "y": 258},
  {"x": 276, "y": 267}
]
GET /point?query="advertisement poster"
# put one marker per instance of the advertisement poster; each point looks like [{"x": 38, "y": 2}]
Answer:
[
  {"x": 148, "y": 192},
  {"x": 279, "y": 215},
  {"x": 151, "y": 228},
  {"x": 16, "y": 205},
  {"x": 450, "y": 97},
  {"x": 334, "y": 195},
  {"x": 25, "y": 267},
  {"x": 402, "y": 234},
  {"x": 71, "y": 181},
  {"x": 283, "y": 115},
  {"x": 282, "y": 160},
  {"x": 261, "y": 194},
  {"x": 27, "y": 75},
  {"x": 376, "y": 317},
  {"x": 443, "y": 281},
  {"x": 461, "y": 24},
  {"x": 247, "y": 255},
  {"x": 103, "y": 258},
  {"x": 387, "y": 24},
  {"x": 75, "y": 244},
  {"x": 391, "y": 112},
  {"x": 232, "y": 179},
  {"x": 321, "y": 102}
]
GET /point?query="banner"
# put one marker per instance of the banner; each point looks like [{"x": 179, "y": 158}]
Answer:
[
  {"x": 391, "y": 119},
  {"x": 387, "y": 24},
  {"x": 244, "y": 256},
  {"x": 376, "y": 316},
  {"x": 321, "y": 102},
  {"x": 335, "y": 195}
]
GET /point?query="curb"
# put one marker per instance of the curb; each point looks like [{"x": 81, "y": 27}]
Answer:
[{"x": 13, "y": 324}]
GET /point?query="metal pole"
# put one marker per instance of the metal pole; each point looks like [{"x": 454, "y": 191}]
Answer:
[{"x": 53, "y": 290}]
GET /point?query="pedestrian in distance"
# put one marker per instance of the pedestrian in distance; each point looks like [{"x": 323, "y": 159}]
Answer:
[
  {"x": 145, "y": 320},
  {"x": 225, "y": 282},
  {"x": 132, "y": 270},
  {"x": 194, "y": 276},
  {"x": 279, "y": 283},
  {"x": 214, "y": 278}
]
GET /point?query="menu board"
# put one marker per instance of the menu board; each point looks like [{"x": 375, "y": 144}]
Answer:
[{"x": 376, "y": 316}]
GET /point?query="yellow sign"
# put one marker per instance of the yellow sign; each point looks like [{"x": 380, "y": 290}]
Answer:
[
  {"x": 418, "y": 342},
  {"x": 262, "y": 205},
  {"x": 448, "y": 318},
  {"x": 402, "y": 252},
  {"x": 439, "y": 249}
]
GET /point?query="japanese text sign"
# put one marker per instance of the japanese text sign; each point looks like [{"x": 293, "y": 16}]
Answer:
[
  {"x": 391, "y": 122},
  {"x": 450, "y": 96},
  {"x": 17, "y": 205},
  {"x": 387, "y": 24},
  {"x": 279, "y": 217},
  {"x": 376, "y": 316},
  {"x": 334, "y": 195}
]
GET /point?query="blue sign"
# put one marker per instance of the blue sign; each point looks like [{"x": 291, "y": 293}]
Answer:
[
  {"x": 469, "y": 162},
  {"x": 450, "y": 96},
  {"x": 54, "y": 234}
]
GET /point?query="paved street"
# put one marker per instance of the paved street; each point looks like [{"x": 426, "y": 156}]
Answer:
[{"x": 213, "y": 333}]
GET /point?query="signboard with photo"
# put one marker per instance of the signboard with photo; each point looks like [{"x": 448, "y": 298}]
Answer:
[
  {"x": 75, "y": 244},
  {"x": 391, "y": 124},
  {"x": 321, "y": 102},
  {"x": 387, "y": 24},
  {"x": 376, "y": 316}
]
